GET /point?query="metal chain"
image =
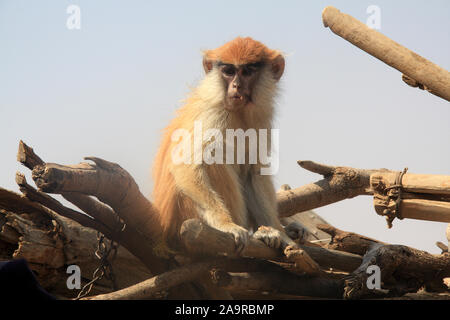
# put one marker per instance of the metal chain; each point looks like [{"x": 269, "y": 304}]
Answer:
[{"x": 104, "y": 269}]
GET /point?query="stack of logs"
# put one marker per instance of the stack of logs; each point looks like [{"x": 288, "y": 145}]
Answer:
[{"x": 328, "y": 263}]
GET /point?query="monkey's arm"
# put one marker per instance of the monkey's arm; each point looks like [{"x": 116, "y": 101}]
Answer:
[
  {"x": 216, "y": 192},
  {"x": 262, "y": 205}
]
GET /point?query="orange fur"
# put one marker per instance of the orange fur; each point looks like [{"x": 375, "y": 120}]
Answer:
[
  {"x": 181, "y": 190},
  {"x": 242, "y": 51}
]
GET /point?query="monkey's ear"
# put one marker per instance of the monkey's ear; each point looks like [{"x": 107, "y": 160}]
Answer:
[
  {"x": 278, "y": 67},
  {"x": 207, "y": 64}
]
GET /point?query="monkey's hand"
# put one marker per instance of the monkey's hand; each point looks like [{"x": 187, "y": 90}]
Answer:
[
  {"x": 239, "y": 233},
  {"x": 270, "y": 236}
]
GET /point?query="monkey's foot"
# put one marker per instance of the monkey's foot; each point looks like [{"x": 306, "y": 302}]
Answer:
[
  {"x": 295, "y": 230},
  {"x": 270, "y": 236}
]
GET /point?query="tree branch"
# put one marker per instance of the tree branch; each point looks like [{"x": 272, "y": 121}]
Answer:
[
  {"x": 425, "y": 73},
  {"x": 403, "y": 270},
  {"x": 201, "y": 239},
  {"x": 347, "y": 241},
  {"x": 75, "y": 183},
  {"x": 339, "y": 183}
]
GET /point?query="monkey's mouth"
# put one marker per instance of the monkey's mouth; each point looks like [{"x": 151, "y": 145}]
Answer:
[
  {"x": 238, "y": 97},
  {"x": 239, "y": 100}
]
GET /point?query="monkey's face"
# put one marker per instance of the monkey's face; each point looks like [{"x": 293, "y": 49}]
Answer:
[{"x": 239, "y": 82}]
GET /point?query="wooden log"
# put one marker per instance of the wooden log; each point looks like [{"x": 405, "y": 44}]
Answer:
[
  {"x": 98, "y": 216},
  {"x": 425, "y": 210},
  {"x": 414, "y": 183},
  {"x": 423, "y": 197},
  {"x": 303, "y": 225},
  {"x": 347, "y": 241},
  {"x": 50, "y": 243},
  {"x": 403, "y": 270},
  {"x": 93, "y": 208},
  {"x": 303, "y": 263},
  {"x": 114, "y": 186},
  {"x": 261, "y": 276},
  {"x": 27, "y": 157},
  {"x": 434, "y": 78},
  {"x": 201, "y": 239},
  {"x": 101, "y": 180},
  {"x": 151, "y": 287},
  {"x": 281, "y": 282},
  {"x": 339, "y": 183}
]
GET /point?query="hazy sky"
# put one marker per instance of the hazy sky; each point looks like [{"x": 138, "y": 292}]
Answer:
[{"x": 108, "y": 89}]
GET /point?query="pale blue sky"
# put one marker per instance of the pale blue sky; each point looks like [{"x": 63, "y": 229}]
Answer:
[{"x": 108, "y": 89}]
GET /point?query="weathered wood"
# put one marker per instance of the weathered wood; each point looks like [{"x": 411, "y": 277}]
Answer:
[
  {"x": 415, "y": 183},
  {"x": 95, "y": 209},
  {"x": 339, "y": 183},
  {"x": 50, "y": 243},
  {"x": 27, "y": 157},
  {"x": 403, "y": 270},
  {"x": 154, "y": 286},
  {"x": 77, "y": 181},
  {"x": 51, "y": 203},
  {"x": 416, "y": 196},
  {"x": 429, "y": 75},
  {"x": 128, "y": 237},
  {"x": 348, "y": 241},
  {"x": 303, "y": 225},
  {"x": 101, "y": 180},
  {"x": 425, "y": 210},
  {"x": 280, "y": 282},
  {"x": 105, "y": 219},
  {"x": 302, "y": 262},
  {"x": 114, "y": 186},
  {"x": 420, "y": 192},
  {"x": 201, "y": 239},
  {"x": 443, "y": 247}
]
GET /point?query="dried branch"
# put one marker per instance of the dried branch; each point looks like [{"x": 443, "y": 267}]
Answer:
[
  {"x": 348, "y": 241},
  {"x": 339, "y": 183},
  {"x": 201, "y": 239},
  {"x": 423, "y": 72},
  {"x": 403, "y": 270},
  {"x": 50, "y": 242},
  {"x": 154, "y": 286},
  {"x": 142, "y": 234},
  {"x": 280, "y": 282},
  {"x": 51, "y": 203},
  {"x": 423, "y": 196},
  {"x": 75, "y": 182}
]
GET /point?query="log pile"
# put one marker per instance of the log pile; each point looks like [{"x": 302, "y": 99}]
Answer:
[{"x": 328, "y": 262}]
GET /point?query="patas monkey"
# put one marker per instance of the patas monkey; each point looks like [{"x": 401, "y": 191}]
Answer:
[{"x": 237, "y": 92}]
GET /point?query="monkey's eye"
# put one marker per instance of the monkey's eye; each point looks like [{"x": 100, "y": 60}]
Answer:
[
  {"x": 229, "y": 70},
  {"x": 246, "y": 72}
]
